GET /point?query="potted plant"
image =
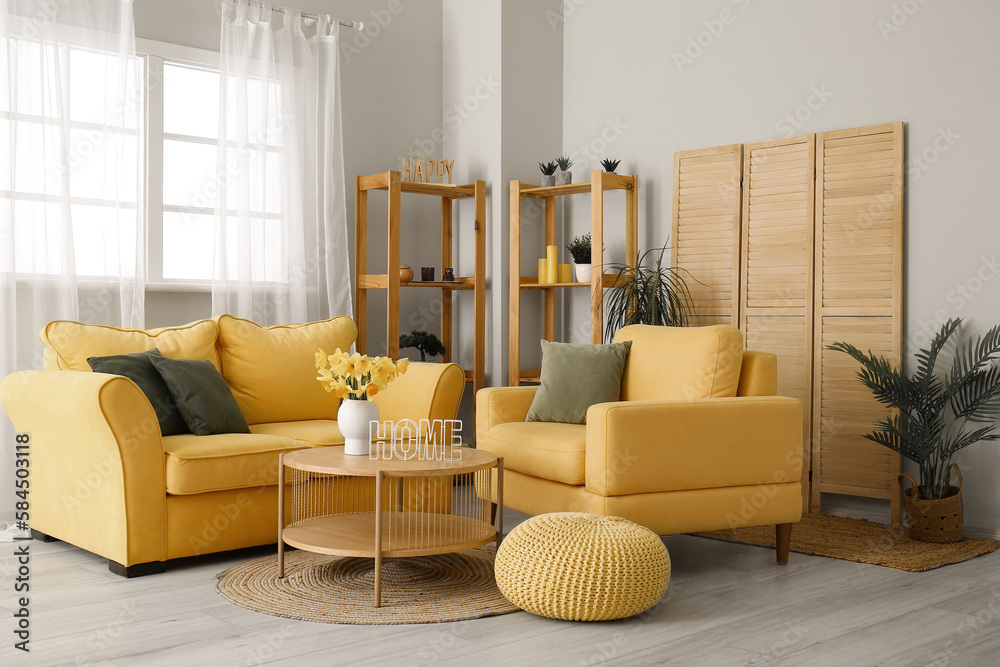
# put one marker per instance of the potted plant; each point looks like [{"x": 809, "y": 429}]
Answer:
[
  {"x": 654, "y": 294},
  {"x": 548, "y": 173},
  {"x": 938, "y": 415},
  {"x": 564, "y": 176},
  {"x": 579, "y": 248},
  {"x": 610, "y": 165},
  {"x": 426, "y": 343}
]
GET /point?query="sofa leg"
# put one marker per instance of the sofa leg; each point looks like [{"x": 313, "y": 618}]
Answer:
[
  {"x": 137, "y": 570},
  {"x": 41, "y": 537},
  {"x": 782, "y": 541}
]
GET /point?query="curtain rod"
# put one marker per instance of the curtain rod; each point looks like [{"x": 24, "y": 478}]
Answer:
[{"x": 309, "y": 16}]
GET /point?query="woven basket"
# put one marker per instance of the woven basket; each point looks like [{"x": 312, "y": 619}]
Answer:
[{"x": 934, "y": 520}]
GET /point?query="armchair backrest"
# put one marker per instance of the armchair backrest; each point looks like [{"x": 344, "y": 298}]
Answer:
[
  {"x": 670, "y": 363},
  {"x": 759, "y": 374}
]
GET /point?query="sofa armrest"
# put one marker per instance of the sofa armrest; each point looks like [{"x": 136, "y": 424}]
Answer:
[
  {"x": 426, "y": 391},
  {"x": 652, "y": 446},
  {"x": 96, "y": 461},
  {"x": 499, "y": 405}
]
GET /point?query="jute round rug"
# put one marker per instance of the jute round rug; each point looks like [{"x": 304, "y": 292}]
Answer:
[
  {"x": 332, "y": 589},
  {"x": 862, "y": 542}
]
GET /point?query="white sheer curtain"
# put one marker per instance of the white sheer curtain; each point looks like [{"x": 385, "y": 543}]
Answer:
[
  {"x": 71, "y": 224},
  {"x": 281, "y": 252}
]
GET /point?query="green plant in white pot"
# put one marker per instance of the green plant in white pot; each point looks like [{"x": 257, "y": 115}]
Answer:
[
  {"x": 579, "y": 248},
  {"x": 938, "y": 415}
]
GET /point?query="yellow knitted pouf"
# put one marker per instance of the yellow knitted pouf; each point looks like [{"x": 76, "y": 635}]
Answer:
[{"x": 582, "y": 567}]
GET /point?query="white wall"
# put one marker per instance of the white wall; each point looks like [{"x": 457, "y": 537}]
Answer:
[
  {"x": 771, "y": 69},
  {"x": 502, "y": 84}
]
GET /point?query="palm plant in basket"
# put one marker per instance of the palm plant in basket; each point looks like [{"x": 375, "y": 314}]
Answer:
[
  {"x": 653, "y": 294},
  {"x": 937, "y": 414}
]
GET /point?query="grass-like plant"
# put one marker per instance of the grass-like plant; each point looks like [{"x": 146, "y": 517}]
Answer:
[
  {"x": 426, "y": 343},
  {"x": 564, "y": 163},
  {"x": 579, "y": 247},
  {"x": 610, "y": 165},
  {"x": 653, "y": 294},
  {"x": 548, "y": 168},
  {"x": 937, "y": 414}
]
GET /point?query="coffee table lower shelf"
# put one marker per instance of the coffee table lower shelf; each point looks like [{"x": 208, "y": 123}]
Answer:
[{"x": 403, "y": 534}]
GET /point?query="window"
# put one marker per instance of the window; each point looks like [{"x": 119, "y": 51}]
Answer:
[
  {"x": 87, "y": 155},
  {"x": 170, "y": 156},
  {"x": 185, "y": 171}
]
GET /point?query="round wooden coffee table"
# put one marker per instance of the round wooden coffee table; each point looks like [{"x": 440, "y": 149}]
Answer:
[{"x": 388, "y": 508}]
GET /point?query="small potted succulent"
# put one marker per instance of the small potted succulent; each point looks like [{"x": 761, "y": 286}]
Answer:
[
  {"x": 564, "y": 176},
  {"x": 610, "y": 165},
  {"x": 579, "y": 248},
  {"x": 548, "y": 173}
]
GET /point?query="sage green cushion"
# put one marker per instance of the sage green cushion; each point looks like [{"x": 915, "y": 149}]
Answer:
[
  {"x": 202, "y": 396},
  {"x": 138, "y": 367},
  {"x": 574, "y": 377}
]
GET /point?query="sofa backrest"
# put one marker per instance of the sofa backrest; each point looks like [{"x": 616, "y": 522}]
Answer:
[
  {"x": 670, "y": 363},
  {"x": 272, "y": 370},
  {"x": 69, "y": 344}
]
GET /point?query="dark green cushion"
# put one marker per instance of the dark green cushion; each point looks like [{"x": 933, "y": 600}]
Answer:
[
  {"x": 202, "y": 396},
  {"x": 574, "y": 377},
  {"x": 139, "y": 368}
]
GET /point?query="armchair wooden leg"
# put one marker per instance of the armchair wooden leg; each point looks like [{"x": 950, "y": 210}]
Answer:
[
  {"x": 782, "y": 541},
  {"x": 137, "y": 570}
]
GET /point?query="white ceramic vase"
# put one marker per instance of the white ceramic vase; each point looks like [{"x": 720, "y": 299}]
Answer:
[
  {"x": 353, "y": 418},
  {"x": 583, "y": 273}
]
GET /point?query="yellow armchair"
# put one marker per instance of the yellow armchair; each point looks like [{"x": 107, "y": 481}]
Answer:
[{"x": 699, "y": 441}]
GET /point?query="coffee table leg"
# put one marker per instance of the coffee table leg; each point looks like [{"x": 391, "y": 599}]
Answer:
[
  {"x": 281, "y": 516},
  {"x": 379, "y": 481},
  {"x": 499, "y": 500}
]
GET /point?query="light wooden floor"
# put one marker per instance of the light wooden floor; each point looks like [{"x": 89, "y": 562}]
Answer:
[{"x": 727, "y": 604}]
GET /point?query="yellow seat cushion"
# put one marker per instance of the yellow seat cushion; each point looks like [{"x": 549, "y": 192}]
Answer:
[
  {"x": 68, "y": 344},
  {"x": 203, "y": 463},
  {"x": 672, "y": 363},
  {"x": 272, "y": 372},
  {"x": 551, "y": 450},
  {"x": 314, "y": 432}
]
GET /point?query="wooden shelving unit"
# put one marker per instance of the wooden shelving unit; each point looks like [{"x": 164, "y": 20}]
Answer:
[
  {"x": 599, "y": 183},
  {"x": 391, "y": 182}
]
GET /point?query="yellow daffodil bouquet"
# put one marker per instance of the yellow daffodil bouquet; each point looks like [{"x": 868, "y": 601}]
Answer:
[{"x": 355, "y": 376}]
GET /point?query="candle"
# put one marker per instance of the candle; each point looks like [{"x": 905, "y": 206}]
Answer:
[
  {"x": 551, "y": 264},
  {"x": 565, "y": 273},
  {"x": 542, "y": 271}
]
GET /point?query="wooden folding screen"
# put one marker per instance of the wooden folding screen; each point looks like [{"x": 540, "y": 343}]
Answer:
[
  {"x": 813, "y": 241},
  {"x": 776, "y": 297},
  {"x": 859, "y": 269},
  {"x": 706, "y": 219}
]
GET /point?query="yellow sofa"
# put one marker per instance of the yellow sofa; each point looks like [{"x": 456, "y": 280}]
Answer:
[
  {"x": 698, "y": 440},
  {"x": 103, "y": 478}
]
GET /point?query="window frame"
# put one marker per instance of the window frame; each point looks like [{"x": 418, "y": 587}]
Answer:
[{"x": 155, "y": 53}]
